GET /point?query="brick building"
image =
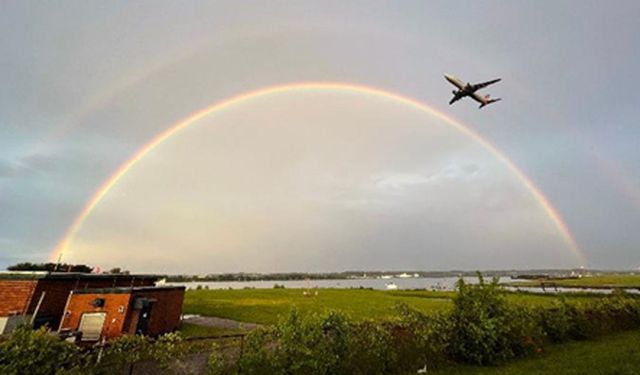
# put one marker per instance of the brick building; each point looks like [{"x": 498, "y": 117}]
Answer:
[
  {"x": 41, "y": 297},
  {"x": 108, "y": 313}
]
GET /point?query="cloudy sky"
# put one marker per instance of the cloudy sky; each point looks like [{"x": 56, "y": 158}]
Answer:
[{"x": 320, "y": 179}]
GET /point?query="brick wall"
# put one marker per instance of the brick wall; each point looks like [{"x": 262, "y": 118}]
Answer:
[
  {"x": 15, "y": 296},
  {"x": 166, "y": 311},
  {"x": 122, "y": 317},
  {"x": 116, "y": 307}
]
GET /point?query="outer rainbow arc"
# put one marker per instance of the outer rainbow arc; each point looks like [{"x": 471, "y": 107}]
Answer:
[{"x": 304, "y": 86}]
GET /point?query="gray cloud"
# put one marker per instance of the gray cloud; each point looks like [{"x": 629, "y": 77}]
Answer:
[{"x": 85, "y": 86}]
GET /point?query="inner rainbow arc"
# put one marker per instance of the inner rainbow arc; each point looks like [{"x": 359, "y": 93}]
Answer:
[{"x": 310, "y": 86}]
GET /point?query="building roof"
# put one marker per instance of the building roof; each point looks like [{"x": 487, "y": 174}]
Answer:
[
  {"x": 37, "y": 275},
  {"x": 127, "y": 290}
]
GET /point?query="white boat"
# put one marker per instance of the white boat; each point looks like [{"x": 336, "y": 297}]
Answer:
[{"x": 391, "y": 286}]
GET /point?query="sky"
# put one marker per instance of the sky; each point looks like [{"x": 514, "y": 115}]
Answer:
[{"x": 320, "y": 179}]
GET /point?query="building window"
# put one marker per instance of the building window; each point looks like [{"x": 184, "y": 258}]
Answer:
[{"x": 91, "y": 325}]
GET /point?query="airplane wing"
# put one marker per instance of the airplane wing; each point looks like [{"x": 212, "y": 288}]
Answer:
[
  {"x": 479, "y": 86},
  {"x": 455, "y": 99}
]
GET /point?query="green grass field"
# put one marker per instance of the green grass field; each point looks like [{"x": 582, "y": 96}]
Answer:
[
  {"x": 617, "y": 354},
  {"x": 266, "y": 306},
  {"x": 602, "y": 281}
]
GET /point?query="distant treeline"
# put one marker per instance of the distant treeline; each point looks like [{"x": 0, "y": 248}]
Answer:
[
  {"x": 50, "y": 267},
  {"x": 283, "y": 276},
  {"x": 62, "y": 267}
]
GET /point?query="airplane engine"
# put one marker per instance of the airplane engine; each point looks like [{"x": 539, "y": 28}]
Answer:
[{"x": 454, "y": 92}]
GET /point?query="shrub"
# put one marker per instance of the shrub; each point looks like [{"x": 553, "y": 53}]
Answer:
[
  {"x": 168, "y": 350},
  {"x": 369, "y": 350},
  {"x": 556, "y": 321},
  {"x": 337, "y": 332},
  {"x": 303, "y": 347},
  {"x": 122, "y": 353},
  {"x": 523, "y": 332},
  {"x": 28, "y": 351},
  {"x": 258, "y": 356},
  {"x": 483, "y": 330},
  {"x": 215, "y": 363},
  {"x": 416, "y": 339}
]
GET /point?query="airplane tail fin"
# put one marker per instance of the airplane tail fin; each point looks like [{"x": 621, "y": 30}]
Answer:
[{"x": 488, "y": 100}]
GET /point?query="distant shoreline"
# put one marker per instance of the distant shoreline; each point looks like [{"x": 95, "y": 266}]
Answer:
[{"x": 347, "y": 275}]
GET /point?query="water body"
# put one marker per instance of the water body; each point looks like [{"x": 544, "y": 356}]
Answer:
[{"x": 409, "y": 283}]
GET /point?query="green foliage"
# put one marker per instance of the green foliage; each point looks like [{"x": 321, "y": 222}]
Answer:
[
  {"x": 556, "y": 322},
  {"x": 28, "y": 351},
  {"x": 122, "y": 353},
  {"x": 484, "y": 328},
  {"x": 216, "y": 363},
  {"x": 259, "y": 353},
  {"x": 51, "y": 267},
  {"x": 578, "y": 321},
  {"x": 370, "y": 349},
  {"x": 480, "y": 325},
  {"x": 337, "y": 333},
  {"x": 615, "y": 354},
  {"x": 331, "y": 344},
  {"x": 168, "y": 350},
  {"x": 303, "y": 348}
]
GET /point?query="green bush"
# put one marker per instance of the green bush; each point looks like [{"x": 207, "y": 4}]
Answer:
[
  {"x": 215, "y": 363},
  {"x": 121, "y": 353},
  {"x": 556, "y": 321},
  {"x": 303, "y": 347},
  {"x": 416, "y": 340},
  {"x": 369, "y": 350},
  {"x": 28, "y": 351},
  {"x": 168, "y": 351},
  {"x": 258, "y": 356},
  {"x": 484, "y": 329},
  {"x": 338, "y": 334}
]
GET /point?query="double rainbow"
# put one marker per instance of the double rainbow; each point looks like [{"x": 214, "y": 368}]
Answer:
[{"x": 310, "y": 86}]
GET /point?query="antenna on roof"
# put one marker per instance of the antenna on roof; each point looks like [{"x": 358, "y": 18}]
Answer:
[{"x": 55, "y": 269}]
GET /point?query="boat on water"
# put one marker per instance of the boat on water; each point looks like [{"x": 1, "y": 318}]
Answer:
[{"x": 391, "y": 286}]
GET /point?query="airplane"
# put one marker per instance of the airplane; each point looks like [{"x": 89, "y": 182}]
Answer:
[{"x": 470, "y": 90}]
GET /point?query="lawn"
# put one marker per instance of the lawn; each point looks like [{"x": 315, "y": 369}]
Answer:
[
  {"x": 265, "y": 306},
  {"x": 617, "y": 354}
]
